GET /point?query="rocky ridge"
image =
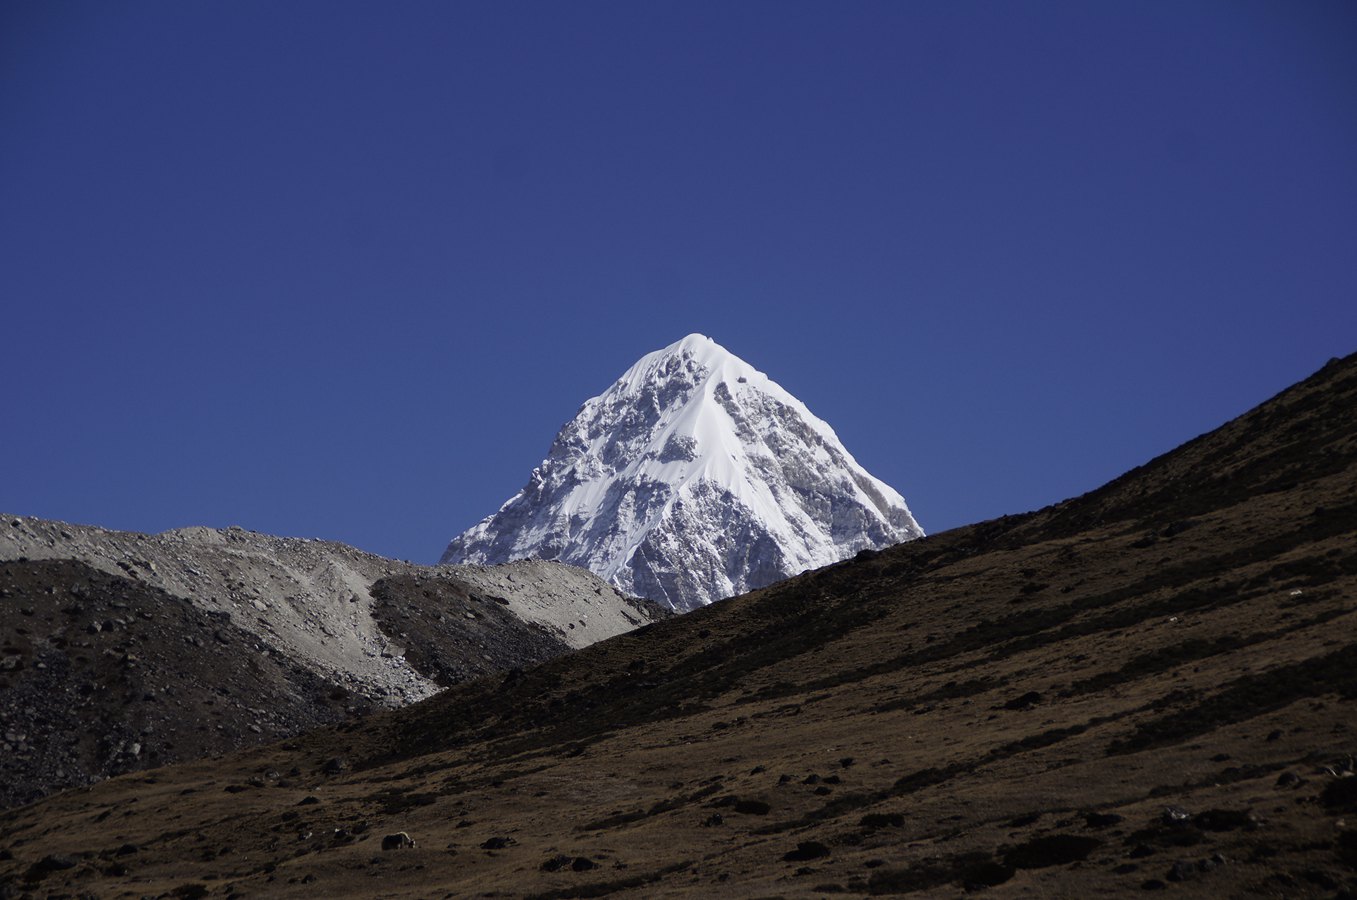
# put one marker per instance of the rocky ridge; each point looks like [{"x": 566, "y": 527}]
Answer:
[
  {"x": 311, "y": 600},
  {"x": 123, "y": 651}
]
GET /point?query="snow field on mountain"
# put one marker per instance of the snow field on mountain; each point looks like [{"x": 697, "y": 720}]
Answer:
[{"x": 693, "y": 477}]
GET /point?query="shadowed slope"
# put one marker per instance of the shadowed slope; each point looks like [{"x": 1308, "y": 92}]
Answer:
[{"x": 1152, "y": 684}]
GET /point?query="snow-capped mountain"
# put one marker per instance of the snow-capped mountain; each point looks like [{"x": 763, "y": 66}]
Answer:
[{"x": 693, "y": 478}]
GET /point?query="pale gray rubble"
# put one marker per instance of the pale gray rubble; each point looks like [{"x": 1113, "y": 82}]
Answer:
[
  {"x": 581, "y": 611},
  {"x": 310, "y": 601}
]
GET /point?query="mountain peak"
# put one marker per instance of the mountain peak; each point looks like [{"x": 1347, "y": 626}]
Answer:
[
  {"x": 695, "y": 344},
  {"x": 696, "y": 352},
  {"x": 692, "y": 478}
]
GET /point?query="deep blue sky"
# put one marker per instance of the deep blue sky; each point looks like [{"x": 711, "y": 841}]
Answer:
[{"x": 342, "y": 270}]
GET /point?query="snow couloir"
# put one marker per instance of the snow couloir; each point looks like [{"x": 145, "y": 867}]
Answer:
[{"x": 694, "y": 477}]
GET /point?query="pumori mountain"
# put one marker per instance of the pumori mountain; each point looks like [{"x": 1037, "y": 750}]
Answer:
[{"x": 693, "y": 478}]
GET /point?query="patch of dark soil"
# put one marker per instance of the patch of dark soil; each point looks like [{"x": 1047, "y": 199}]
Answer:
[
  {"x": 1225, "y": 820},
  {"x": 55, "y": 862},
  {"x": 1340, "y": 795},
  {"x": 971, "y": 870},
  {"x": 806, "y": 851},
  {"x": 562, "y": 862},
  {"x": 604, "y": 888},
  {"x": 616, "y": 820},
  {"x": 1346, "y": 847},
  {"x": 917, "y": 781},
  {"x": 1045, "y": 738},
  {"x": 949, "y": 691},
  {"x": 1164, "y": 834},
  {"x": 451, "y": 634},
  {"x": 392, "y": 801},
  {"x": 844, "y": 803},
  {"x": 1024, "y": 701},
  {"x": 672, "y": 803},
  {"x": 1051, "y": 850},
  {"x": 1102, "y": 820}
]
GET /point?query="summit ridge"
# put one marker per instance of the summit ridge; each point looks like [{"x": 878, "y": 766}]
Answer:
[{"x": 692, "y": 478}]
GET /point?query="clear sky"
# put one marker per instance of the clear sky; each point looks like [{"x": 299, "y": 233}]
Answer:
[{"x": 342, "y": 270}]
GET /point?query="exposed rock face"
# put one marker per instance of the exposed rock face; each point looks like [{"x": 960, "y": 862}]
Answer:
[
  {"x": 122, "y": 651},
  {"x": 103, "y": 674},
  {"x": 313, "y": 601},
  {"x": 694, "y": 477}
]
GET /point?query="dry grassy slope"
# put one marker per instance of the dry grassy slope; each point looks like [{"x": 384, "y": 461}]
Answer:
[{"x": 1134, "y": 689}]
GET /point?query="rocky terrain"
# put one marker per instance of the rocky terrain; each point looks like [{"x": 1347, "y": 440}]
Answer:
[
  {"x": 692, "y": 478},
  {"x": 1148, "y": 688},
  {"x": 123, "y": 651},
  {"x": 102, "y": 674}
]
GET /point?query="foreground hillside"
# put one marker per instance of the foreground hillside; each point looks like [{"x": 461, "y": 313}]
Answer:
[{"x": 1149, "y": 687}]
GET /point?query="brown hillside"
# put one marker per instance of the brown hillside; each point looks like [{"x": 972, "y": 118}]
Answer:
[{"x": 1147, "y": 687}]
